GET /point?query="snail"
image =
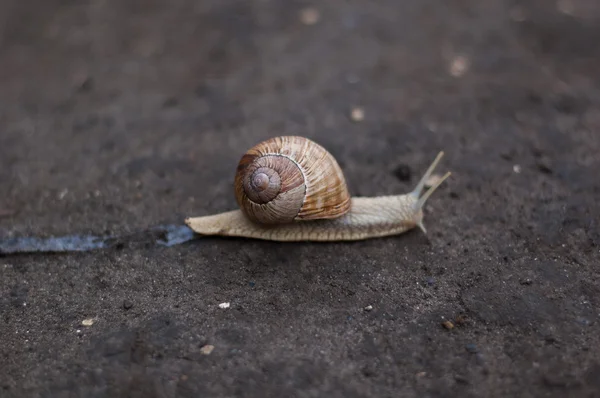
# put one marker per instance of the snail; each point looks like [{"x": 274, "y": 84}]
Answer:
[{"x": 292, "y": 189}]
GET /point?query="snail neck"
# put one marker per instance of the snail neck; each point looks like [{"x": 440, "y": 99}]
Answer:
[{"x": 385, "y": 212}]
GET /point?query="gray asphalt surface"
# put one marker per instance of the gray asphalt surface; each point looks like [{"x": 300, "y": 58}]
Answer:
[{"x": 117, "y": 117}]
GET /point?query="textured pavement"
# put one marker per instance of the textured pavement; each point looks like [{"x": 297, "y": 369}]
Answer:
[{"x": 118, "y": 117}]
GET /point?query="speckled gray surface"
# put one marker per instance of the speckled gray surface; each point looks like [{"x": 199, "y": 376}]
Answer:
[{"x": 120, "y": 116}]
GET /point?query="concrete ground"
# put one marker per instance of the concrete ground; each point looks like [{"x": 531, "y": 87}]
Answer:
[{"x": 118, "y": 117}]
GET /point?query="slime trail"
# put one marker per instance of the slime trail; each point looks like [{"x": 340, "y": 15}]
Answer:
[
  {"x": 174, "y": 235},
  {"x": 167, "y": 235},
  {"x": 73, "y": 243}
]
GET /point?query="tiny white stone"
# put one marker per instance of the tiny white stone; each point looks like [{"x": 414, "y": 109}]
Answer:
[
  {"x": 310, "y": 16},
  {"x": 368, "y": 308},
  {"x": 459, "y": 66},
  {"x": 207, "y": 349},
  {"x": 224, "y": 305},
  {"x": 357, "y": 114},
  {"x": 517, "y": 168},
  {"x": 87, "y": 322}
]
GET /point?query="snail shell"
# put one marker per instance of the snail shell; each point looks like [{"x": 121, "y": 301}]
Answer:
[{"x": 290, "y": 178}]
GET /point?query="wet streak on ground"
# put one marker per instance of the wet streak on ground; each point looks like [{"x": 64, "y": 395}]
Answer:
[{"x": 167, "y": 235}]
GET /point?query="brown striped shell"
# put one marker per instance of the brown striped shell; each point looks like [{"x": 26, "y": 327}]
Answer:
[{"x": 285, "y": 179}]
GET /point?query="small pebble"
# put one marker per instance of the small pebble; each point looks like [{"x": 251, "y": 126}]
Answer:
[
  {"x": 459, "y": 66},
  {"x": 421, "y": 374},
  {"x": 357, "y": 114},
  {"x": 252, "y": 284},
  {"x": 448, "y": 325},
  {"x": 183, "y": 377},
  {"x": 368, "y": 308},
  {"x": 565, "y": 6},
  {"x": 471, "y": 348},
  {"x": 310, "y": 16},
  {"x": 526, "y": 281},
  {"x": 207, "y": 349},
  {"x": 517, "y": 168},
  {"x": 430, "y": 281},
  {"x": 127, "y": 304},
  {"x": 224, "y": 305},
  {"x": 87, "y": 322}
]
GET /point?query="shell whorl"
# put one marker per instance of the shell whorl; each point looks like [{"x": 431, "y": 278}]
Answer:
[{"x": 290, "y": 178}]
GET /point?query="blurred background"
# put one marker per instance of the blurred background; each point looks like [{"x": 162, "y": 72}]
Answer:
[{"x": 129, "y": 113}]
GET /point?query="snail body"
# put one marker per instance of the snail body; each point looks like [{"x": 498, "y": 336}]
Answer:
[{"x": 292, "y": 189}]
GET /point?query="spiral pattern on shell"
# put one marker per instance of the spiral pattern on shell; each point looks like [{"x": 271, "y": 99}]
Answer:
[{"x": 285, "y": 179}]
